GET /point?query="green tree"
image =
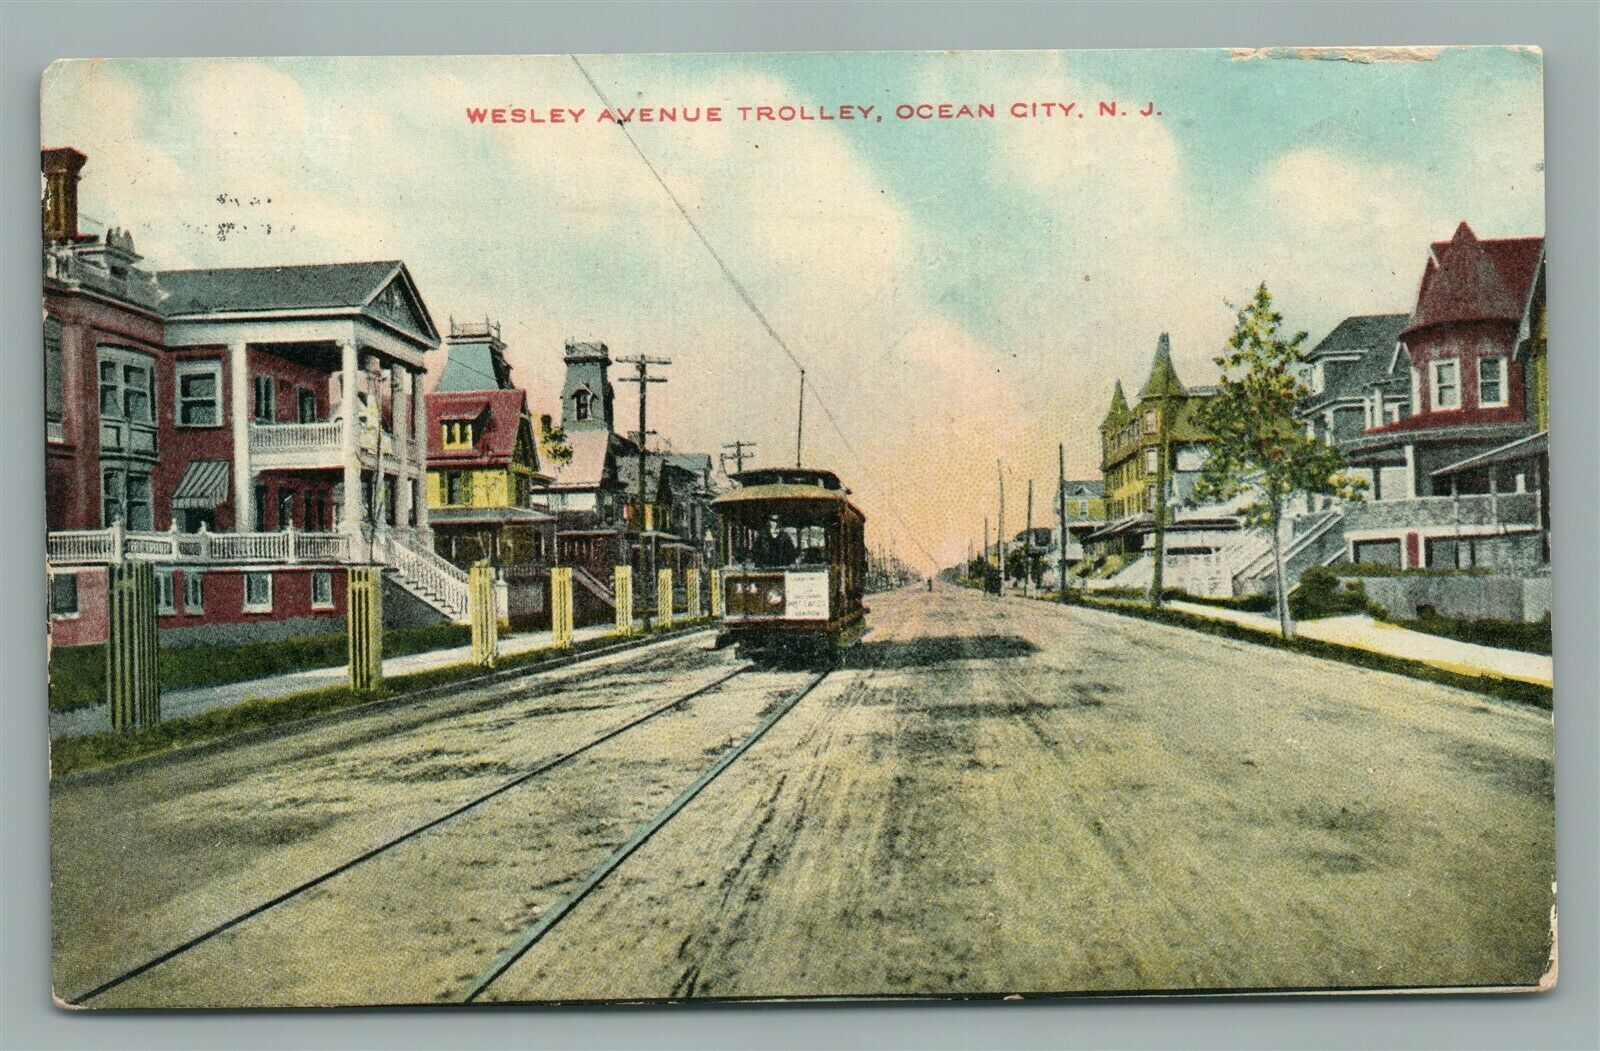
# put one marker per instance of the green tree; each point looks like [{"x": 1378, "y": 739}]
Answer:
[
  {"x": 1258, "y": 446},
  {"x": 553, "y": 443}
]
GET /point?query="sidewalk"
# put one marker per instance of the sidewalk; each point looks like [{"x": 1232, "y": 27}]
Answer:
[
  {"x": 1362, "y": 632},
  {"x": 176, "y": 704}
]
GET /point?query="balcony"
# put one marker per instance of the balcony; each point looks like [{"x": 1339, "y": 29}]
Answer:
[
  {"x": 1507, "y": 510},
  {"x": 319, "y": 445},
  {"x": 103, "y": 546}
]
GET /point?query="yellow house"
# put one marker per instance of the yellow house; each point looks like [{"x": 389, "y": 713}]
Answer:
[{"x": 483, "y": 468}]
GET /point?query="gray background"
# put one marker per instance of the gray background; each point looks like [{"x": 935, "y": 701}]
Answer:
[{"x": 31, "y": 35}]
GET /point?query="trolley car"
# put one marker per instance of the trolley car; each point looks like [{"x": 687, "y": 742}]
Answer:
[{"x": 795, "y": 562}]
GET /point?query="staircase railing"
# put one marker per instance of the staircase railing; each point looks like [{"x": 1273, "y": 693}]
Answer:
[{"x": 435, "y": 578}]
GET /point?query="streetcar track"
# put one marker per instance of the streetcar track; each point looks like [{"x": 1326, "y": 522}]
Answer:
[
  {"x": 403, "y": 837},
  {"x": 557, "y": 912}
]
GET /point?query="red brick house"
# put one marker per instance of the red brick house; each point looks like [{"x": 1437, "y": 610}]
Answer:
[{"x": 251, "y": 431}]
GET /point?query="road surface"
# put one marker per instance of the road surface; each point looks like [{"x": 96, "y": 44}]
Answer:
[{"x": 989, "y": 797}]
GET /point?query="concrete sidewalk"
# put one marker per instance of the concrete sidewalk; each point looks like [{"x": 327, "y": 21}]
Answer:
[
  {"x": 1362, "y": 632},
  {"x": 175, "y": 704}
]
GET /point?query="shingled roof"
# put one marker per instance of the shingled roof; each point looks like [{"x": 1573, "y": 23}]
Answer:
[
  {"x": 319, "y": 286},
  {"x": 1471, "y": 280},
  {"x": 499, "y": 414},
  {"x": 1372, "y": 337},
  {"x": 1163, "y": 381}
]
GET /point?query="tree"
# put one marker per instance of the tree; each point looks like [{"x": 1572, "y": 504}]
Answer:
[
  {"x": 553, "y": 443},
  {"x": 1258, "y": 447}
]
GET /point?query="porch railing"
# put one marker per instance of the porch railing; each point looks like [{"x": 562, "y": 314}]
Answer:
[{"x": 115, "y": 544}]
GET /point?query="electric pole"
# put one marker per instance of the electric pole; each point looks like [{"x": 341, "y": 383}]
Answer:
[
  {"x": 1027, "y": 548},
  {"x": 642, "y": 365},
  {"x": 1161, "y": 506},
  {"x": 986, "y": 554},
  {"x": 1000, "y": 527},
  {"x": 1061, "y": 517},
  {"x": 738, "y": 454}
]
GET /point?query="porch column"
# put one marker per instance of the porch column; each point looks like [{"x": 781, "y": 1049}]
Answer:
[
  {"x": 419, "y": 433},
  {"x": 350, "y": 512},
  {"x": 244, "y": 490},
  {"x": 402, "y": 434}
]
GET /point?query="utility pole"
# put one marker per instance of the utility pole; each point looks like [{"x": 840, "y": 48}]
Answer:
[
  {"x": 642, "y": 365},
  {"x": 1161, "y": 506},
  {"x": 1061, "y": 517},
  {"x": 1027, "y": 548},
  {"x": 1000, "y": 527},
  {"x": 986, "y": 554},
  {"x": 800, "y": 420},
  {"x": 738, "y": 454}
]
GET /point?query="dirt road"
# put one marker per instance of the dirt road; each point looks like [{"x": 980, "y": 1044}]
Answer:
[{"x": 990, "y": 797}]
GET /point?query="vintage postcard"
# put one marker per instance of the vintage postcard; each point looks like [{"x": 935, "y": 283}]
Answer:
[{"x": 696, "y": 527}]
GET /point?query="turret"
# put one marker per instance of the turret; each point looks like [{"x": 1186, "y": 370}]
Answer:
[{"x": 586, "y": 396}]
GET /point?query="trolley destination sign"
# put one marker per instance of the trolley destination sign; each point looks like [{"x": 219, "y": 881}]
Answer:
[{"x": 797, "y": 526}]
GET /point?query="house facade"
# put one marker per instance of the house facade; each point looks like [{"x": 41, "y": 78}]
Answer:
[
  {"x": 251, "y": 431},
  {"x": 1471, "y": 353},
  {"x": 483, "y": 459}
]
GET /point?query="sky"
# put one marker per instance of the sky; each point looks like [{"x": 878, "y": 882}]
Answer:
[{"x": 962, "y": 293}]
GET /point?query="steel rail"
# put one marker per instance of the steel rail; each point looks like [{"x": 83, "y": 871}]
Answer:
[
  {"x": 561, "y": 909},
  {"x": 389, "y": 844}
]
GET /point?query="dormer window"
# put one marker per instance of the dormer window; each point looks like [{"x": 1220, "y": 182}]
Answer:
[
  {"x": 458, "y": 434},
  {"x": 582, "y": 404}
]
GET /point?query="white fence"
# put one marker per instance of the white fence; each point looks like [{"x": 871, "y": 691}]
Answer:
[{"x": 103, "y": 546}]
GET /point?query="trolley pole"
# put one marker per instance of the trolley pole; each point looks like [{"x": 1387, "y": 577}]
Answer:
[
  {"x": 642, "y": 365},
  {"x": 800, "y": 420}
]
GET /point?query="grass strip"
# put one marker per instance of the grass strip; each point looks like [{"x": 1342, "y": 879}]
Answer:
[
  {"x": 73, "y": 754},
  {"x": 1505, "y": 689}
]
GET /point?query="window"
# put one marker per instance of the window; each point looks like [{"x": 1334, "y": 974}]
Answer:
[
  {"x": 1150, "y": 421},
  {"x": 63, "y": 594},
  {"x": 411, "y": 508},
  {"x": 388, "y": 499},
  {"x": 1152, "y": 462},
  {"x": 1318, "y": 378},
  {"x": 321, "y": 589},
  {"x": 1447, "y": 384},
  {"x": 459, "y": 435},
  {"x": 285, "y": 508},
  {"x": 193, "y": 591},
  {"x": 306, "y": 402},
  {"x": 55, "y": 379},
  {"x": 1491, "y": 381},
  {"x": 1150, "y": 498},
  {"x": 125, "y": 497},
  {"x": 261, "y": 509},
  {"x": 452, "y": 487},
  {"x": 581, "y": 400},
  {"x": 166, "y": 597},
  {"x": 199, "y": 393},
  {"x": 125, "y": 385},
  {"x": 266, "y": 399},
  {"x": 258, "y": 592}
]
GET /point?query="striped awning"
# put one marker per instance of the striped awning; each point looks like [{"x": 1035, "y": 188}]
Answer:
[{"x": 203, "y": 486}]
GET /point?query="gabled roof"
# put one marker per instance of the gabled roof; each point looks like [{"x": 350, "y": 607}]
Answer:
[
  {"x": 337, "y": 287},
  {"x": 1091, "y": 488},
  {"x": 1370, "y": 336},
  {"x": 1163, "y": 381},
  {"x": 1471, "y": 280},
  {"x": 500, "y": 414}
]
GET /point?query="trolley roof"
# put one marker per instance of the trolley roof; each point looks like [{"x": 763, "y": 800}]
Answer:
[{"x": 769, "y": 484}]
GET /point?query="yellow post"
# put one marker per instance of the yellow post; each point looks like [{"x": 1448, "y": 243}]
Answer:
[
  {"x": 622, "y": 588},
  {"x": 664, "y": 598},
  {"x": 691, "y": 585},
  {"x": 364, "y": 627},
  {"x": 483, "y": 614},
  {"x": 716, "y": 594},
  {"x": 561, "y": 607},
  {"x": 133, "y": 690}
]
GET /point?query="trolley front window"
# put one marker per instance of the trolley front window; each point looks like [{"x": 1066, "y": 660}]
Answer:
[{"x": 778, "y": 541}]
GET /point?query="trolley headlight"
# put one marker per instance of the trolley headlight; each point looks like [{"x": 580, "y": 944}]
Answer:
[{"x": 775, "y": 597}]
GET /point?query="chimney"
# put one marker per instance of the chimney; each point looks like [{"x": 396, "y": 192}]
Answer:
[{"x": 61, "y": 167}]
